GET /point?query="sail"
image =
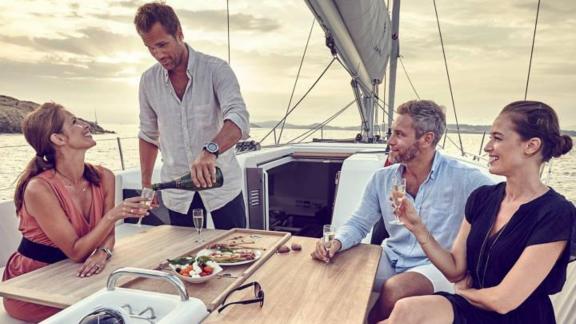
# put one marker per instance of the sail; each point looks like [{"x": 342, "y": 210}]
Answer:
[{"x": 361, "y": 35}]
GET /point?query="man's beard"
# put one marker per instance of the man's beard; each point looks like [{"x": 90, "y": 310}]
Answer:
[{"x": 408, "y": 155}]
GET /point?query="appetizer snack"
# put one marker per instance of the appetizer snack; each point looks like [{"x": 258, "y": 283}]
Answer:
[{"x": 296, "y": 247}]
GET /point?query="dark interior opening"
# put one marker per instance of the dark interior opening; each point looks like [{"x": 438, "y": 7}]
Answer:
[{"x": 301, "y": 196}]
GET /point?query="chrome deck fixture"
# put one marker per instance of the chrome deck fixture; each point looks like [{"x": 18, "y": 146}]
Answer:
[{"x": 151, "y": 274}]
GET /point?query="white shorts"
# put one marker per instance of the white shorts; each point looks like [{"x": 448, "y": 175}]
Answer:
[{"x": 385, "y": 271}]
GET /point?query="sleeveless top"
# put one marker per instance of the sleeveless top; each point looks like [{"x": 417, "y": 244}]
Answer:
[{"x": 19, "y": 264}]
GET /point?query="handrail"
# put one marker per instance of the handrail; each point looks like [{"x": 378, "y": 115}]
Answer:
[{"x": 151, "y": 274}]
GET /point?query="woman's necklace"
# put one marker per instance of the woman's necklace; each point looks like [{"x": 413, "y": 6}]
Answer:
[{"x": 70, "y": 183}]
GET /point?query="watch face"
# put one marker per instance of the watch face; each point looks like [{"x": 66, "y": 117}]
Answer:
[{"x": 212, "y": 147}]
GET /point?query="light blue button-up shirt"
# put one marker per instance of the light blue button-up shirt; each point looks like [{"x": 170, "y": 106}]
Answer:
[{"x": 440, "y": 202}]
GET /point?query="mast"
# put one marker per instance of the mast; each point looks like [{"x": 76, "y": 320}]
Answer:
[
  {"x": 393, "y": 63},
  {"x": 358, "y": 34}
]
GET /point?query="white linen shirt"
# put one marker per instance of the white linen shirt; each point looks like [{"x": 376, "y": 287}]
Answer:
[{"x": 180, "y": 128}]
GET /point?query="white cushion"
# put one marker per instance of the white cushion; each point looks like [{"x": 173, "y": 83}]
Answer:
[
  {"x": 9, "y": 234},
  {"x": 565, "y": 301}
]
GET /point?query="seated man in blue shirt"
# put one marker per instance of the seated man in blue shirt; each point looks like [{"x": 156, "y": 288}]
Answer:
[{"x": 437, "y": 185}]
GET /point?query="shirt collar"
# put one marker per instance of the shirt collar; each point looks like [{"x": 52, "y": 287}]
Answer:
[
  {"x": 190, "y": 66},
  {"x": 438, "y": 160}
]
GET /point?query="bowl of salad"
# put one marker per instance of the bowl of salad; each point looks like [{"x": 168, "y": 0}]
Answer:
[{"x": 194, "y": 269}]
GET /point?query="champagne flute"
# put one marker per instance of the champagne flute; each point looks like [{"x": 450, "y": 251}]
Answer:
[
  {"x": 328, "y": 234},
  {"x": 149, "y": 195},
  {"x": 198, "y": 219},
  {"x": 398, "y": 193}
]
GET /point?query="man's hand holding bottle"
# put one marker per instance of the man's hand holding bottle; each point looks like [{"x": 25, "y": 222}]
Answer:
[{"x": 203, "y": 170}]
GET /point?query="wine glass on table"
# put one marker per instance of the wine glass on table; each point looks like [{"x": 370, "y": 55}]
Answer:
[
  {"x": 328, "y": 234},
  {"x": 397, "y": 194},
  {"x": 198, "y": 219},
  {"x": 149, "y": 195}
]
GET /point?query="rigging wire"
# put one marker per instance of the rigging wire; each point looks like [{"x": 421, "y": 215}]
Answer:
[
  {"x": 299, "y": 101},
  {"x": 448, "y": 75},
  {"x": 297, "y": 77},
  {"x": 408, "y": 77},
  {"x": 324, "y": 123},
  {"x": 532, "y": 51},
  {"x": 228, "y": 25}
]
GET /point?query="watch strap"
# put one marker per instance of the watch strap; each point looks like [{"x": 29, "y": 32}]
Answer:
[{"x": 107, "y": 251}]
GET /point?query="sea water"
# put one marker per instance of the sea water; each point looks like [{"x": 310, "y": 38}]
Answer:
[{"x": 15, "y": 154}]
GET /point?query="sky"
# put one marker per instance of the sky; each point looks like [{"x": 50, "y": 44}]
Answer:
[{"x": 87, "y": 56}]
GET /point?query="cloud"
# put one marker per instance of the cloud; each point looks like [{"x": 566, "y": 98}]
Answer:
[
  {"x": 91, "y": 41},
  {"x": 216, "y": 19}
]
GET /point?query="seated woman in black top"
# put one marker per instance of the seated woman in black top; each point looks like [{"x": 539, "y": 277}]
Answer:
[{"x": 513, "y": 247}]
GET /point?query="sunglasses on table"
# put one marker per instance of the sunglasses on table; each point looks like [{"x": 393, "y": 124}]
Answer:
[{"x": 258, "y": 296}]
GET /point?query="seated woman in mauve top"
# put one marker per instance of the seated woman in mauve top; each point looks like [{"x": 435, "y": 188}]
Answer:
[
  {"x": 65, "y": 205},
  {"x": 515, "y": 243}
]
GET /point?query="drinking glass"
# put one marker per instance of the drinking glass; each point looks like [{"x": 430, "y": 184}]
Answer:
[
  {"x": 397, "y": 194},
  {"x": 328, "y": 234},
  {"x": 149, "y": 195},
  {"x": 198, "y": 219}
]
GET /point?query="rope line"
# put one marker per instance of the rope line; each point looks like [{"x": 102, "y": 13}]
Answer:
[
  {"x": 532, "y": 50},
  {"x": 297, "y": 77},
  {"x": 299, "y": 101},
  {"x": 324, "y": 123},
  {"x": 408, "y": 77},
  {"x": 448, "y": 75}
]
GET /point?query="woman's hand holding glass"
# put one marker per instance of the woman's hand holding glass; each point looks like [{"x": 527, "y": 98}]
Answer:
[
  {"x": 405, "y": 212},
  {"x": 133, "y": 207},
  {"x": 150, "y": 196}
]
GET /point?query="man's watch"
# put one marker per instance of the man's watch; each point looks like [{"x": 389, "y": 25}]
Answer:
[
  {"x": 212, "y": 148},
  {"x": 107, "y": 251}
]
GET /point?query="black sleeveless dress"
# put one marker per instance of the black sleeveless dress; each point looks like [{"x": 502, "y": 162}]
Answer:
[{"x": 548, "y": 218}]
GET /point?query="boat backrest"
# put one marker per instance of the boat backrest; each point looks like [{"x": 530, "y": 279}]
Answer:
[
  {"x": 9, "y": 234},
  {"x": 354, "y": 176},
  {"x": 565, "y": 301}
]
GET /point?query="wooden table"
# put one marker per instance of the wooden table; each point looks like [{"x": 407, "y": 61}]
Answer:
[
  {"x": 298, "y": 289},
  {"x": 56, "y": 285}
]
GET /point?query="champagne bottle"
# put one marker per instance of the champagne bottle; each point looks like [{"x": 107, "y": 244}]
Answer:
[{"x": 185, "y": 183}]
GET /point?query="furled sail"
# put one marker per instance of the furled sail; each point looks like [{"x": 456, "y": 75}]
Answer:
[{"x": 361, "y": 34}]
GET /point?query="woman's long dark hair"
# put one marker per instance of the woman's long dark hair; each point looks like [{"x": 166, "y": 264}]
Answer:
[{"x": 37, "y": 127}]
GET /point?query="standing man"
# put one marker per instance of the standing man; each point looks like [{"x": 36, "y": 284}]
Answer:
[
  {"x": 437, "y": 185},
  {"x": 192, "y": 110}
]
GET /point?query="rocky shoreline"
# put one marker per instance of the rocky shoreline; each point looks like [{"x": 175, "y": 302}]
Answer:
[{"x": 12, "y": 112}]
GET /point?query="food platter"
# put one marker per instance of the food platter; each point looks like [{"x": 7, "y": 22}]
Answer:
[
  {"x": 231, "y": 257},
  {"x": 194, "y": 270}
]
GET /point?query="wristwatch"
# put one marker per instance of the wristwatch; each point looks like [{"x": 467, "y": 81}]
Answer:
[
  {"x": 107, "y": 251},
  {"x": 212, "y": 148}
]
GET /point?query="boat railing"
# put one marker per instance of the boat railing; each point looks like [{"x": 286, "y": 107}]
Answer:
[{"x": 125, "y": 157}]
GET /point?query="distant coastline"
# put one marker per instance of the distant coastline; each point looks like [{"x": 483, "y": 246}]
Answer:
[
  {"x": 464, "y": 128},
  {"x": 12, "y": 112}
]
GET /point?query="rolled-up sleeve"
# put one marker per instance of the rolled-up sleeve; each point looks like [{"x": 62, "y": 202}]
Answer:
[
  {"x": 148, "y": 118},
  {"x": 228, "y": 93},
  {"x": 362, "y": 220}
]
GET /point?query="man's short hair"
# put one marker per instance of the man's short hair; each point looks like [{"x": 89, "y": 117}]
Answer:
[
  {"x": 151, "y": 13},
  {"x": 427, "y": 116}
]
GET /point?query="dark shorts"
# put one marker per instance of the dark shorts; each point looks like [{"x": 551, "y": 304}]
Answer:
[
  {"x": 534, "y": 310},
  {"x": 231, "y": 215}
]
